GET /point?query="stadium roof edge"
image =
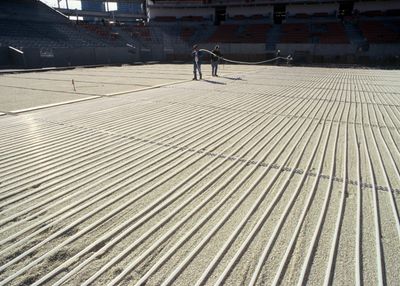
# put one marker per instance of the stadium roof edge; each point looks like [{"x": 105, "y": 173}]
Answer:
[
  {"x": 173, "y": 4},
  {"x": 75, "y": 12}
]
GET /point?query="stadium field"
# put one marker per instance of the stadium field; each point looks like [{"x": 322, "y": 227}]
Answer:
[{"x": 139, "y": 175}]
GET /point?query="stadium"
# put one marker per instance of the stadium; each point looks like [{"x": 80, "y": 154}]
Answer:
[
  {"x": 321, "y": 32},
  {"x": 133, "y": 151}
]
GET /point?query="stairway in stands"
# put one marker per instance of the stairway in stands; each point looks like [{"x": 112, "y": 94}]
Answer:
[
  {"x": 354, "y": 34},
  {"x": 273, "y": 37}
]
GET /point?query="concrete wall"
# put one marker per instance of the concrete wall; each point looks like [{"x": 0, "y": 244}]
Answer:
[
  {"x": 11, "y": 58},
  {"x": 311, "y": 9},
  {"x": 302, "y": 53},
  {"x": 178, "y": 13},
  {"x": 342, "y": 53},
  {"x": 249, "y": 11},
  {"x": 69, "y": 57},
  {"x": 317, "y": 49},
  {"x": 17, "y": 58},
  {"x": 92, "y": 6},
  {"x": 382, "y": 51},
  {"x": 240, "y": 52},
  {"x": 182, "y": 52},
  {"x": 4, "y": 59},
  {"x": 376, "y": 6},
  {"x": 129, "y": 8},
  {"x": 375, "y": 50}
]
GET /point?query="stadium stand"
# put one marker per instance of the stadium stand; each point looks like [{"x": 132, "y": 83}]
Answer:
[
  {"x": 330, "y": 33},
  {"x": 31, "y": 24},
  {"x": 380, "y": 32},
  {"x": 167, "y": 26},
  {"x": 314, "y": 12},
  {"x": 165, "y": 19},
  {"x": 187, "y": 33},
  {"x": 247, "y": 33},
  {"x": 254, "y": 33},
  {"x": 295, "y": 33},
  {"x": 22, "y": 34},
  {"x": 226, "y": 33},
  {"x": 27, "y": 10}
]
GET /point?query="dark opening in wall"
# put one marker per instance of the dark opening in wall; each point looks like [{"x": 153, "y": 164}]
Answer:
[
  {"x": 220, "y": 15},
  {"x": 346, "y": 8},
  {"x": 279, "y": 13}
]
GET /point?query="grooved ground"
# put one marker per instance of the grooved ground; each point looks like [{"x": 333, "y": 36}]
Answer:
[{"x": 242, "y": 179}]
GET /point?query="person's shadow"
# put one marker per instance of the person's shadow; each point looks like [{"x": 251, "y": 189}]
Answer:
[
  {"x": 232, "y": 78},
  {"x": 214, "y": 82}
]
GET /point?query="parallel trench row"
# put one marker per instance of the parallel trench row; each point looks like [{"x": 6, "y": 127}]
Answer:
[{"x": 286, "y": 176}]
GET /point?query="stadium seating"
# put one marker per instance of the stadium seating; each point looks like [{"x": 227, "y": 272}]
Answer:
[
  {"x": 334, "y": 33},
  {"x": 186, "y": 33},
  {"x": 177, "y": 2},
  {"x": 254, "y": 33},
  {"x": 295, "y": 33},
  {"x": 23, "y": 34},
  {"x": 139, "y": 32},
  {"x": 193, "y": 18},
  {"x": 225, "y": 34},
  {"x": 393, "y": 12},
  {"x": 380, "y": 32},
  {"x": 246, "y": 33},
  {"x": 104, "y": 32},
  {"x": 31, "y": 24},
  {"x": 165, "y": 19},
  {"x": 28, "y": 9}
]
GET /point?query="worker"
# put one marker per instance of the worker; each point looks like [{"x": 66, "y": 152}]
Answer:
[
  {"x": 215, "y": 59},
  {"x": 196, "y": 56}
]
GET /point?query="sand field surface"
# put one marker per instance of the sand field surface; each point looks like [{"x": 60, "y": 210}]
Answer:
[{"x": 137, "y": 175}]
